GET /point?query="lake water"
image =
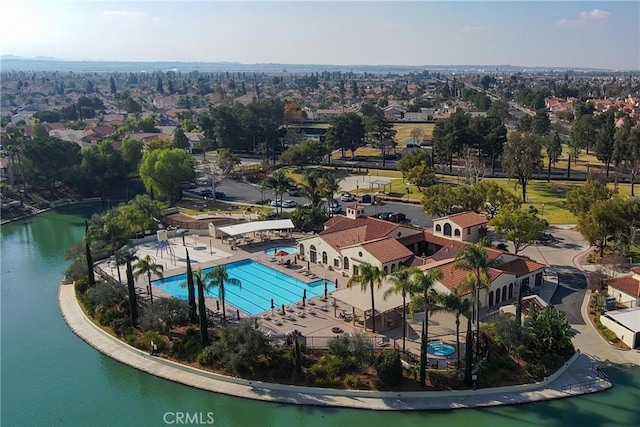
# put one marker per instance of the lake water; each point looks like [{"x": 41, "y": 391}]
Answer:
[{"x": 49, "y": 377}]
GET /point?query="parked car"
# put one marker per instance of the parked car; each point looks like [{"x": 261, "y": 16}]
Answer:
[
  {"x": 347, "y": 197},
  {"x": 289, "y": 203},
  {"x": 220, "y": 195},
  {"x": 335, "y": 208},
  {"x": 293, "y": 191},
  {"x": 384, "y": 215},
  {"x": 276, "y": 203},
  {"x": 188, "y": 185},
  {"x": 397, "y": 217},
  {"x": 206, "y": 193}
]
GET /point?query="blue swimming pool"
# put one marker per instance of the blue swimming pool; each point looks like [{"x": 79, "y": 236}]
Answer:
[
  {"x": 290, "y": 250},
  {"x": 438, "y": 348},
  {"x": 259, "y": 284}
]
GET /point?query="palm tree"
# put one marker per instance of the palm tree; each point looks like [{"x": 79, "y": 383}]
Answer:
[
  {"x": 217, "y": 278},
  {"x": 473, "y": 258},
  {"x": 368, "y": 275},
  {"x": 148, "y": 266},
  {"x": 329, "y": 186},
  {"x": 425, "y": 293},
  {"x": 453, "y": 303},
  {"x": 311, "y": 180},
  {"x": 279, "y": 182},
  {"x": 123, "y": 255},
  {"x": 402, "y": 283}
]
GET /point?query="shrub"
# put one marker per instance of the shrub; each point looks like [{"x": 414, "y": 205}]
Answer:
[
  {"x": 537, "y": 371},
  {"x": 327, "y": 370},
  {"x": 207, "y": 356},
  {"x": 144, "y": 341},
  {"x": 106, "y": 294},
  {"x": 81, "y": 285},
  {"x": 389, "y": 368},
  {"x": 445, "y": 380},
  {"x": 164, "y": 314},
  {"x": 353, "y": 381},
  {"x": 121, "y": 326},
  {"x": 356, "y": 349}
]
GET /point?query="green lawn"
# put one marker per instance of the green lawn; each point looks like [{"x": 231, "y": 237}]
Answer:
[{"x": 403, "y": 131}]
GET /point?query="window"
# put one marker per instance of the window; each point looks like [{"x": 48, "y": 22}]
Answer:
[
  {"x": 447, "y": 229},
  {"x": 438, "y": 228},
  {"x": 457, "y": 232},
  {"x": 497, "y": 296},
  {"x": 345, "y": 263},
  {"x": 468, "y": 230},
  {"x": 301, "y": 250},
  {"x": 336, "y": 263},
  {"x": 355, "y": 270},
  {"x": 385, "y": 269},
  {"x": 491, "y": 299},
  {"x": 510, "y": 290},
  {"x": 504, "y": 293},
  {"x": 360, "y": 254},
  {"x": 393, "y": 267},
  {"x": 313, "y": 255},
  {"x": 324, "y": 257}
]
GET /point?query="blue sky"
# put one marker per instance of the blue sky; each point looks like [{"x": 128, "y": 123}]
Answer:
[{"x": 601, "y": 34}]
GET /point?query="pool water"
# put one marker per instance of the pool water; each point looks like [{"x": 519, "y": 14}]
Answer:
[
  {"x": 259, "y": 285},
  {"x": 440, "y": 349},
  {"x": 291, "y": 250}
]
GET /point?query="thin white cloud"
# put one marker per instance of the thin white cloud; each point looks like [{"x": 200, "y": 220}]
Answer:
[
  {"x": 123, "y": 14},
  {"x": 585, "y": 18}
]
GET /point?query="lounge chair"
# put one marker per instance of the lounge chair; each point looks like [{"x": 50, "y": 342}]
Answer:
[
  {"x": 301, "y": 314},
  {"x": 272, "y": 260}
]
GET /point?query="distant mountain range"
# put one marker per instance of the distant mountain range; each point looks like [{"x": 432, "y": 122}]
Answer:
[{"x": 43, "y": 63}]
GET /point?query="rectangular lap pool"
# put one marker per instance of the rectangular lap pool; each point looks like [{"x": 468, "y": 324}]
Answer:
[{"x": 259, "y": 285}]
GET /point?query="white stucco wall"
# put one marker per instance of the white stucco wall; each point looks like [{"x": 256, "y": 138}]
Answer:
[
  {"x": 623, "y": 333},
  {"x": 623, "y": 297}
]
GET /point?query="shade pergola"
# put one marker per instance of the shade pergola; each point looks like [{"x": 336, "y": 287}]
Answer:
[
  {"x": 252, "y": 227},
  {"x": 355, "y": 297},
  {"x": 381, "y": 182}
]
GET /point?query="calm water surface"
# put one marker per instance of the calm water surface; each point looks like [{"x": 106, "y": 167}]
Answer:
[{"x": 49, "y": 377}]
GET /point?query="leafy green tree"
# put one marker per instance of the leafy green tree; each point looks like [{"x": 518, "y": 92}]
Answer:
[
  {"x": 580, "y": 198},
  {"x": 541, "y": 123},
  {"x": 368, "y": 276},
  {"x": 164, "y": 315},
  {"x": 499, "y": 109},
  {"x": 389, "y": 368},
  {"x": 146, "y": 266},
  {"x": 347, "y": 132},
  {"x": 518, "y": 227},
  {"x": 421, "y": 175},
  {"x": 165, "y": 170},
  {"x": 423, "y": 293},
  {"x": 140, "y": 214},
  {"x": 240, "y": 349},
  {"x": 218, "y": 278},
  {"x": 412, "y": 159},
  {"x": 180, "y": 140},
  {"x": 191, "y": 293},
  {"x": 227, "y": 162},
  {"x": 494, "y": 198},
  {"x": 202, "y": 310},
  {"x": 582, "y": 135},
  {"x": 329, "y": 185},
  {"x": 525, "y": 124},
  {"x": 307, "y": 152},
  {"x": 553, "y": 145},
  {"x": 549, "y": 331},
  {"x": 309, "y": 218},
  {"x": 601, "y": 222},
  {"x": 605, "y": 140},
  {"x": 47, "y": 161},
  {"x": 131, "y": 151},
  {"x": 401, "y": 280},
  {"x": 522, "y": 158},
  {"x": 438, "y": 200},
  {"x": 311, "y": 183},
  {"x": 380, "y": 132},
  {"x": 112, "y": 85}
]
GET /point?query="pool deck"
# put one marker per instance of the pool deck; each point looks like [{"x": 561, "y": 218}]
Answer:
[{"x": 316, "y": 320}]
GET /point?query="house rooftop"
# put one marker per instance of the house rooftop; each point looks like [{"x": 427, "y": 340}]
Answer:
[
  {"x": 465, "y": 219},
  {"x": 627, "y": 284}
]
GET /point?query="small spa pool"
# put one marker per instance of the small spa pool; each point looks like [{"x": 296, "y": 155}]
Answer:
[
  {"x": 272, "y": 251},
  {"x": 438, "y": 348}
]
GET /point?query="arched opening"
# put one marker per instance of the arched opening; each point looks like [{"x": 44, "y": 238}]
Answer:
[
  {"x": 491, "y": 299},
  {"x": 447, "y": 229},
  {"x": 497, "y": 296},
  {"x": 385, "y": 269},
  {"x": 301, "y": 250},
  {"x": 438, "y": 228},
  {"x": 324, "y": 258},
  {"x": 456, "y": 232},
  {"x": 313, "y": 255},
  {"x": 504, "y": 293},
  {"x": 510, "y": 290},
  {"x": 393, "y": 267},
  {"x": 345, "y": 263}
]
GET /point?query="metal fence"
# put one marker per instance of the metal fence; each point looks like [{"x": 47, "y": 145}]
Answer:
[{"x": 602, "y": 381}]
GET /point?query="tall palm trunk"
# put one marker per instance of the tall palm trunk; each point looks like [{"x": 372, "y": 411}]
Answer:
[
  {"x": 423, "y": 355},
  {"x": 468, "y": 356},
  {"x": 458, "y": 338},
  {"x": 150, "y": 289},
  {"x": 404, "y": 320},
  {"x": 477, "y": 320},
  {"x": 222, "y": 300},
  {"x": 87, "y": 248},
  {"x": 373, "y": 310}
]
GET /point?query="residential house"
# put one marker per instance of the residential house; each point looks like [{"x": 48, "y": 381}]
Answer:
[{"x": 626, "y": 289}]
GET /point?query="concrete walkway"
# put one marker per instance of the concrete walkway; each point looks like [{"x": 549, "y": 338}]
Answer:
[{"x": 577, "y": 373}]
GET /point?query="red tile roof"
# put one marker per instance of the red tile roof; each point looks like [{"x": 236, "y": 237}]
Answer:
[
  {"x": 375, "y": 228},
  {"x": 520, "y": 266},
  {"x": 636, "y": 270},
  {"x": 466, "y": 219},
  {"x": 386, "y": 250},
  {"x": 453, "y": 277},
  {"x": 627, "y": 284}
]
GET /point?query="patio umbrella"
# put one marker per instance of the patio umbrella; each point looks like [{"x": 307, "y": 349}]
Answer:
[
  {"x": 336, "y": 283},
  {"x": 325, "y": 290},
  {"x": 272, "y": 305},
  {"x": 304, "y": 294},
  {"x": 238, "y": 314},
  {"x": 282, "y": 253},
  {"x": 304, "y": 299},
  {"x": 308, "y": 265},
  {"x": 283, "y": 313}
]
